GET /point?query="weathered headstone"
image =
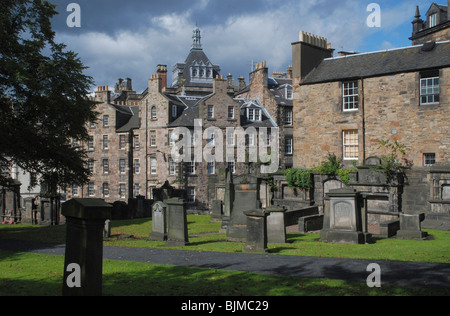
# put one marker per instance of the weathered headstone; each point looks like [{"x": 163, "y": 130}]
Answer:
[
  {"x": 177, "y": 230},
  {"x": 410, "y": 226},
  {"x": 216, "y": 213},
  {"x": 107, "y": 229},
  {"x": 276, "y": 226},
  {"x": 159, "y": 222},
  {"x": 228, "y": 201},
  {"x": 256, "y": 241},
  {"x": 246, "y": 197},
  {"x": 344, "y": 218},
  {"x": 85, "y": 219}
]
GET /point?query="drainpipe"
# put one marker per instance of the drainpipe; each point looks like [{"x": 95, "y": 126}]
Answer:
[{"x": 363, "y": 114}]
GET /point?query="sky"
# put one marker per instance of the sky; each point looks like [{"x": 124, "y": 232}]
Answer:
[{"x": 120, "y": 39}]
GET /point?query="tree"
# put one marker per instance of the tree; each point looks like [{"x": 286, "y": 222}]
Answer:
[{"x": 43, "y": 97}]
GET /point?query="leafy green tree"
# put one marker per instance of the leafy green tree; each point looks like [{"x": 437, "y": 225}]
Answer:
[{"x": 43, "y": 97}]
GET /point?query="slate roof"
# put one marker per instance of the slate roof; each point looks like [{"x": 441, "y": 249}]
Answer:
[
  {"x": 127, "y": 118},
  {"x": 277, "y": 86},
  {"x": 381, "y": 63},
  {"x": 197, "y": 55}
]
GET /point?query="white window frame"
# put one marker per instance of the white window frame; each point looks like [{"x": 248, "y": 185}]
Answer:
[
  {"x": 122, "y": 166},
  {"x": 211, "y": 166},
  {"x": 123, "y": 142},
  {"x": 191, "y": 195},
  {"x": 152, "y": 138},
  {"x": 190, "y": 168},
  {"x": 137, "y": 166},
  {"x": 231, "y": 112},
  {"x": 75, "y": 191},
  {"x": 105, "y": 164},
  {"x": 288, "y": 116},
  {"x": 289, "y": 146},
  {"x": 432, "y": 20},
  {"x": 232, "y": 167},
  {"x": 91, "y": 189},
  {"x": 172, "y": 167},
  {"x": 430, "y": 90},
  {"x": 154, "y": 115},
  {"x": 174, "y": 111},
  {"x": 105, "y": 120},
  {"x": 122, "y": 191},
  {"x": 137, "y": 189},
  {"x": 427, "y": 157},
  {"x": 210, "y": 111},
  {"x": 289, "y": 93},
  {"x": 171, "y": 138},
  {"x": 345, "y": 145},
  {"x": 105, "y": 142},
  {"x": 105, "y": 189},
  {"x": 153, "y": 165},
  {"x": 91, "y": 143},
  {"x": 350, "y": 99},
  {"x": 91, "y": 164}
]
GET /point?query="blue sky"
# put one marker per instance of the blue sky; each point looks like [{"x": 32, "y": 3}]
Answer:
[{"x": 130, "y": 38}]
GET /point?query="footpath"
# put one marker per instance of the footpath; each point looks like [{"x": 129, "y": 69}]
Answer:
[{"x": 399, "y": 273}]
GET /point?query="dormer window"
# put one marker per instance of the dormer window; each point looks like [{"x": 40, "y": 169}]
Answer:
[
  {"x": 288, "y": 93},
  {"x": 432, "y": 20},
  {"x": 254, "y": 114},
  {"x": 174, "y": 111}
]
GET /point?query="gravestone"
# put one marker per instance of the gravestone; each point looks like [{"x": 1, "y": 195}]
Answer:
[
  {"x": 177, "y": 231},
  {"x": 446, "y": 192},
  {"x": 159, "y": 222},
  {"x": 228, "y": 201},
  {"x": 410, "y": 226},
  {"x": 246, "y": 197},
  {"x": 107, "y": 229},
  {"x": 344, "y": 224},
  {"x": 256, "y": 241},
  {"x": 85, "y": 219},
  {"x": 276, "y": 225},
  {"x": 216, "y": 213}
]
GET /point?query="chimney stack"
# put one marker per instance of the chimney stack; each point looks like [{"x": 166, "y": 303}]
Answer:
[
  {"x": 162, "y": 74},
  {"x": 307, "y": 54}
]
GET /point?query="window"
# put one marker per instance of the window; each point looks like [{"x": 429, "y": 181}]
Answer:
[
  {"x": 190, "y": 168},
  {"x": 105, "y": 164},
  {"x": 230, "y": 137},
  {"x": 74, "y": 142},
  {"x": 75, "y": 190},
  {"x": 137, "y": 144},
  {"x": 153, "y": 165},
  {"x": 174, "y": 111},
  {"x": 210, "y": 111},
  {"x": 350, "y": 144},
  {"x": 350, "y": 96},
  {"x": 210, "y": 140},
  {"x": 429, "y": 159},
  {"x": 231, "y": 112},
  {"x": 152, "y": 138},
  {"x": 105, "y": 142},
  {"x": 91, "y": 124},
  {"x": 105, "y": 189},
  {"x": 432, "y": 20},
  {"x": 289, "y": 93},
  {"x": 191, "y": 195},
  {"x": 91, "y": 166},
  {"x": 211, "y": 167},
  {"x": 137, "y": 166},
  {"x": 122, "y": 142},
  {"x": 151, "y": 193},
  {"x": 137, "y": 189},
  {"x": 171, "y": 138},
  {"x": 122, "y": 191},
  {"x": 91, "y": 190},
  {"x": 232, "y": 167},
  {"x": 154, "y": 117},
  {"x": 288, "y": 146},
  {"x": 288, "y": 116},
  {"x": 105, "y": 120},
  {"x": 268, "y": 137},
  {"x": 91, "y": 143},
  {"x": 429, "y": 88},
  {"x": 172, "y": 167},
  {"x": 254, "y": 114},
  {"x": 122, "y": 165},
  {"x": 250, "y": 139}
]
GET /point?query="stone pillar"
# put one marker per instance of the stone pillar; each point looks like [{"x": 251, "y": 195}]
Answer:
[
  {"x": 85, "y": 219},
  {"x": 177, "y": 231},
  {"x": 276, "y": 225},
  {"x": 256, "y": 232}
]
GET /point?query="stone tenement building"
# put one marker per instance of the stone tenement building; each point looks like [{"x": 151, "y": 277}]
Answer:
[
  {"x": 345, "y": 105},
  {"x": 131, "y": 144},
  {"x": 436, "y": 26}
]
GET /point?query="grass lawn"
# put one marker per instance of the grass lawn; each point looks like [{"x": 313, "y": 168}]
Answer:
[{"x": 34, "y": 274}]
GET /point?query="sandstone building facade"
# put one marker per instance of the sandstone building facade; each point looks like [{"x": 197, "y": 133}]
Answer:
[{"x": 345, "y": 105}]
